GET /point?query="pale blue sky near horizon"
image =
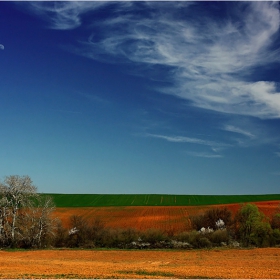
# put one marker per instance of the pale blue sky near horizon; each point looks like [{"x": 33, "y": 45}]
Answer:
[{"x": 141, "y": 97}]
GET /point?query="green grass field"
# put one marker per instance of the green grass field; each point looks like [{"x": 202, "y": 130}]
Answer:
[{"x": 100, "y": 200}]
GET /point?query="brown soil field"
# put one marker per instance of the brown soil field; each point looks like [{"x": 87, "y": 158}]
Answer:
[
  {"x": 166, "y": 218},
  {"x": 227, "y": 263}
]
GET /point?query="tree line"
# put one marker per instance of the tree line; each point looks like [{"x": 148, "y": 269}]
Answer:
[{"x": 27, "y": 221}]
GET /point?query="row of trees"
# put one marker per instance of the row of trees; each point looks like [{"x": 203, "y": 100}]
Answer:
[
  {"x": 215, "y": 227},
  {"x": 27, "y": 221}
]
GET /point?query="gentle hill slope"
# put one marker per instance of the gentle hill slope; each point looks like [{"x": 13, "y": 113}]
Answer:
[{"x": 103, "y": 200}]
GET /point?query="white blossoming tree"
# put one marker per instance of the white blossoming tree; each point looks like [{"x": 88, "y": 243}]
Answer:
[
  {"x": 25, "y": 216},
  {"x": 220, "y": 224}
]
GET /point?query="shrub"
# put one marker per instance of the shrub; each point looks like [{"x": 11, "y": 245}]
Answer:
[
  {"x": 214, "y": 214},
  {"x": 96, "y": 230},
  {"x": 79, "y": 231},
  {"x": 261, "y": 236},
  {"x": 198, "y": 240},
  {"x": 197, "y": 222},
  {"x": 110, "y": 238},
  {"x": 118, "y": 238},
  {"x": 153, "y": 236},
  {"x": 210, "y": 218},
  {"x": 84, "y": 233},
  {"x": 60, "y": 236},
  {"x": 275, "y": 237},
  {"x": 204, "y": 242},
  {"x": 275, "y": 221},
  {"x": 219, "y": 236},
  {"x": 252, "y": 226},
  {"x": 183, "y": 236},
  {"x": 130, "y": 235}
]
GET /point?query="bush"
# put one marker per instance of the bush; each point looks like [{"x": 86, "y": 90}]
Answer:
[
  {"x": 253, "y": 227},
  {"x": 60, "y": 236},
  {"x": 96, "y": 230},
  {"x": 261, "y": 236},
  {"x": 219, "y": 236},
  {"x": 197, "y": 222},
  {"x": 275, "y": 237},
  {"x": 130, "y": 235},
  {"x": 78, "y": 234},
  {"x": 183, "y": 236},
  {"x": 153, "y": 236},
  {"x": 118, "y": 238},
  {"x": 84, "y": 233},
  {"x": 213, "y": 215},
  {"x": 204, "y": 242},
  {"x": 198, "y": 240},
  {"x": 110, "y": 238},
  {"x": 210, "y": 217},
  {"x": 275, "y": 221}
]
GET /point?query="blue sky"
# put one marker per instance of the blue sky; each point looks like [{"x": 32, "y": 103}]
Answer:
[{"x": 141, "y": 97}]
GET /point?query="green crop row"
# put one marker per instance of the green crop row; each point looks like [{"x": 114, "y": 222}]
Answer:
[{"x": 100, "y": 200}]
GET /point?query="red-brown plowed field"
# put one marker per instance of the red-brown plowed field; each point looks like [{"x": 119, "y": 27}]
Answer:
[
  {"x": 166, "y": 218},
  {"x": 231, "y": 263}
]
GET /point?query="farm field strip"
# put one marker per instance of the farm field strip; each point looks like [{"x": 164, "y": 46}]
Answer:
[
  {"x": 168, "y": 218},
  {"x": 99, "y": 200},
  {"x": 231, "y": 263}
]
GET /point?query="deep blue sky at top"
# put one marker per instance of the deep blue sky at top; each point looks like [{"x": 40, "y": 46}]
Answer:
[{"x": 141, "y": 97}]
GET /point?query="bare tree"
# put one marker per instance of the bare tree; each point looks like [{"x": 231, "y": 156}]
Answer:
[
  {"x": 25, "y": 216},
  {"x": 45, "y": 221},
  {"x": 16, "y": 193},
  {"x": 37, "y": 224},
  {"x": 4, "y": 220}
]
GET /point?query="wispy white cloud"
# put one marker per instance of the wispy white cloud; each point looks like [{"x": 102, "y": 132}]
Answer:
[
  {"x": 204, "y": 155},
  {"x": 238, "y": 130},
  {"x": 64, "y": 15},
  {"x": 216, "y": 147},
  {"x": 211, "y": 60},
  {"x": 276, "y": 173},
  {"x": 248, "y": 132},
  {"x": 183, "y": 139},
  {"x": 1, "y": 47}
]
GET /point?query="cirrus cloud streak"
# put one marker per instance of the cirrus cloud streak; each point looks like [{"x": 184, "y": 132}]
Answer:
[{"x": 211, "y": 61}]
